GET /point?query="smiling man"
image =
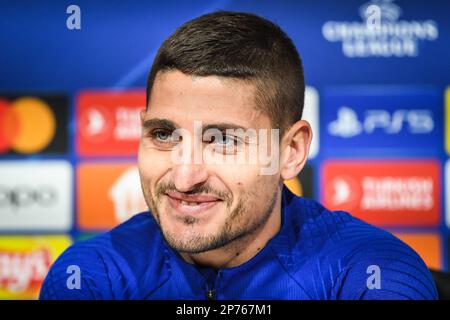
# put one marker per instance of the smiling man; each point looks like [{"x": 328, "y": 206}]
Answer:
[{"x": 221, "y": 132}]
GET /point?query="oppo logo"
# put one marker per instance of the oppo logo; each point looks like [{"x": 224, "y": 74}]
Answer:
[{"x": 23, "y": 196}]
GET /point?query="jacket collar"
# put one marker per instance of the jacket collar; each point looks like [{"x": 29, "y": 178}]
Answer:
[{"x": 195, "y": 280}]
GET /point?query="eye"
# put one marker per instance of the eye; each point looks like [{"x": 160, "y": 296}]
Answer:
[
  {"x": 224, "y": 140},
  {"x": 162, "y": 135},
  {"x": 226, "y": 144}
]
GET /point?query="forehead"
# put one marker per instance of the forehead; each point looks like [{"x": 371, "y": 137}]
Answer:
[{"x": 184, "y": 98}]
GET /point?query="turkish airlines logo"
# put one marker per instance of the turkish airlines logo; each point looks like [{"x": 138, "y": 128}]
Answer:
[
  {"x": 96, "y": 124},
  {"x": 385, "y": 192},
  {"x": 108, "y": 194},
  {"x": 344, "y": 191},
  {"x": 398, "y": 193},
  {"x": 109, "y": 122},
  {"x": 31, "y": 124},
  {"x": 347, "y": 124}
]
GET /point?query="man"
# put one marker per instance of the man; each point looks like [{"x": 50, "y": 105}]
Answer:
[{"x": 221, "y": 224}]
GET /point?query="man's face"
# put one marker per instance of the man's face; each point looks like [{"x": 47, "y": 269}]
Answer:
[{"x": 201, "y": 206}]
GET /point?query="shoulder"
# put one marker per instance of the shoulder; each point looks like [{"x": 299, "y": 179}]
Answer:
[
  {"x": 113, "y": 265},
  {"x": 349, "y": 256},
  {"x": 378, "y": 265}
]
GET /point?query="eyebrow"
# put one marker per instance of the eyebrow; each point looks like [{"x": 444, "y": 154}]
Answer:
[
  {"x": 170, "y": 125},
  {"x": 159, "y": 123},
  {"x": 223, "y": 126}
]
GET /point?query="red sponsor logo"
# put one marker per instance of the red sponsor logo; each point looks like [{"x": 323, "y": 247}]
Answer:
[
  {"x": 22, "y": 271},
  {"x": 109, "y": 122},
  {"x": 384, "y": 193}
]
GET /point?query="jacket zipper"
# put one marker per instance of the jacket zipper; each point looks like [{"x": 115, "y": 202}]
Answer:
[{"x": 211, "y": 292}]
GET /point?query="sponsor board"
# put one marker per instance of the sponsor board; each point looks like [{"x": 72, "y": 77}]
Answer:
[
  {"x": 35, "y": 195},
  {"x": 384, "y": 120},
  {"x": 427, "y": 245},
  {"x": 447, "y": 119},
  {"x": 108, "y": 122},
  {"x": 25, "y": 261},
  {"x": 107, "y": 194},
  {"x": 33, "y": 124},
  {"x": 404, "y": 193},
  {"x": 311, "y": 114},
  {"x": 447, "y": 193}
]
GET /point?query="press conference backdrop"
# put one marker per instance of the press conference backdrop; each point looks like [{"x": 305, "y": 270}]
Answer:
[{"x": 72, "y": 82}]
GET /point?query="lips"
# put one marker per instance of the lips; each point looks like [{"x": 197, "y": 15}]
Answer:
[{"x": 191, "y": 204}]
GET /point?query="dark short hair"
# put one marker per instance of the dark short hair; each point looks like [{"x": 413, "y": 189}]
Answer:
[{"x": 242, "y": 46}]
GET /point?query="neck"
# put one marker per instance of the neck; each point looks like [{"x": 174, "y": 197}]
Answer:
[{"x": 241, "y": 250}]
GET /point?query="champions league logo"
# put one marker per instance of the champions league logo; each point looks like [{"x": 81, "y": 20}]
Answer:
[{"x": 381, "y": 33}]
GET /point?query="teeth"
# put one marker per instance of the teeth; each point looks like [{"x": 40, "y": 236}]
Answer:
[{"x": 185, "y": 203}]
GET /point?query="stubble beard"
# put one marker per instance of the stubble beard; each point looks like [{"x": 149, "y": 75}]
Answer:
[{"x": 241, "y": 222}]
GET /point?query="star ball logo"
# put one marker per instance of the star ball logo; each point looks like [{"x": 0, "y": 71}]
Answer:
[
  {"x": 381, "y": 33},
  {"x": 33, "y": 124}
]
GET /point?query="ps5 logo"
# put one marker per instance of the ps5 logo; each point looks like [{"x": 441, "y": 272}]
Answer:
[{"x": 347, "y": 124}]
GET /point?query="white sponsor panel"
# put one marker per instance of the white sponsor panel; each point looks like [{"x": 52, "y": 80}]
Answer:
[
  {"x": 311, "y": 114},
  {"x": 35, "y": 195},
  {"x": 447, "y": 193}
]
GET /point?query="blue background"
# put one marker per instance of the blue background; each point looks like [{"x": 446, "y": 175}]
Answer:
[{"x": 118, "y": 39}]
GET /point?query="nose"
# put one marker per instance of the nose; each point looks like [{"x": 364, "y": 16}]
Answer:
[
  {"x": 189, "y": 171},
  {"x": 187, "y": 177}
]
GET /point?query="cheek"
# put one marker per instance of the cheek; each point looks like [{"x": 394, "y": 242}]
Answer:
[
  {"x": 246, "y": 182},
  {"x": 153, "y": 165},
  {"x": 262, "y": 190}
]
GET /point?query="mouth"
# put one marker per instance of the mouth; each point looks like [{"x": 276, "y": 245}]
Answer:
[{"x": 192, "y": 204}]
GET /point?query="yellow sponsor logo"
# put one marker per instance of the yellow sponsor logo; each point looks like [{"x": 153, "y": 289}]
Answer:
[
  {"x": 25, "y": 261},
  {"x": 447, "y": 119}
]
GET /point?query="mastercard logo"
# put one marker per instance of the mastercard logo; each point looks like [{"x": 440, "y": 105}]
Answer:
[{"x": 27, "y": 125}]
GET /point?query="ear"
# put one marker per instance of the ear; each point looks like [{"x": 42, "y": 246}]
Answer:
[{"x": 295, "y": 149}]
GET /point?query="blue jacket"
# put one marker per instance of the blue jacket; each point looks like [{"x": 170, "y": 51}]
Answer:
[{"x": 317, "y": 254}]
